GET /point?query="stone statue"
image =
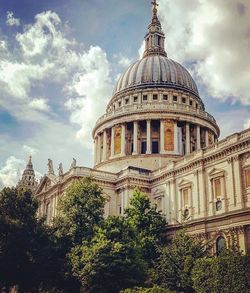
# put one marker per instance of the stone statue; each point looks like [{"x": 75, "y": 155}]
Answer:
[
  {"x": 73, "y": 164},
  {"x": 60, "y": 169},
  {"x": 50, "y": 167}
]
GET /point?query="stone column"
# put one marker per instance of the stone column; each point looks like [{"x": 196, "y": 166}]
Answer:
[
  {"x": 95, "y": 151},
  {"x": 148, "y": 137},
  {"x": 123, "y": 140},
  {"x": 176, "y": 142},
  {"x": 162, "y": 149},
  {"x": 207, "y": 142},
  {"x": 112, "y": 148},
  {"x": 98, "y": 148},
  {"x": 198, "y": 137},
  {"x": 187, "y": 138},
  {"x": 104, "y": 150},
  {"x": 135, "y": 140}
]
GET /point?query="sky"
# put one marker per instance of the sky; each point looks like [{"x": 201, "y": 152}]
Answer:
[{"x": 60, "y": 60}]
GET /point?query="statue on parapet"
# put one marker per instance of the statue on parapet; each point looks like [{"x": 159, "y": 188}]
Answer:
[
  {"x": 60, "y": 170},
  {"x": 50, "y": 167},
  {"x": 73, "y": 164}
]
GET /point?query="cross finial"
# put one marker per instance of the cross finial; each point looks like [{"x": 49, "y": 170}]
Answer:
[{"x": 155, "y": 4}]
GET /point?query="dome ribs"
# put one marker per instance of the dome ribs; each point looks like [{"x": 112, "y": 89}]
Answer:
[{"x": 156, "y": 69}]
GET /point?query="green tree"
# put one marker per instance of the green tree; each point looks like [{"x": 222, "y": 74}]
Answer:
[
  {"x": 155, "y": 289},
  {"x": 228, "y": 273},
  {"x": 176, "y": 261},
  {"x": 80, "y": 210},
  {"x": 148, "y": 225},
  {"x": 110, "y": 261},
  {"x": 26, "y": 258}
]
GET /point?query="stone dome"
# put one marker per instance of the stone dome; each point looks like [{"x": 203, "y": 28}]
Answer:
[{"x": 156, "y": 70}]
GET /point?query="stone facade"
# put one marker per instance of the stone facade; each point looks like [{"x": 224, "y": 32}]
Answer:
[{"x": 156, "y": 135}]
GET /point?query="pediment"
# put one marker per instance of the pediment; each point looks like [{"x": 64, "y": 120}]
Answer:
[
  {"x": 184, "y": 183},
  {"x": 216, "y": 173},
  {"x": 158, "y": 193},
  {"x": 246, "y": 160},
  {"x": 46, "y": 182}
]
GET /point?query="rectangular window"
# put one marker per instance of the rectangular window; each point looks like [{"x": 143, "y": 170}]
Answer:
[
  {"x": 135, "y": 99},
  {"x": 184, "y": 100},
  {"x": 165, "y": 97},
  {"x": 217, "y": 187},
  {"x": 191, "y": 102},
  {"x": 185, "y": 196},
  {"x": 155, "y": 97},
  {"x": 247, "y": 178},
  {"x": 155, "y": 147},
  {"x": 120, "y": 103},
  {"x": 175, "y": 98},
  {"x": 126, "y": 101},
  {"x": 145, "y": 98},
  {"x": 143, "y": 147}
]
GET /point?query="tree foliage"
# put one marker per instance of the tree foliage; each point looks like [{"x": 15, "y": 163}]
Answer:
[
  {"x": 80, "y": 211},
  {"x": 148, "y": 224},
  {"x": 176, "y": 261},
  {"x": 155, "y": 289},
  {"x": 109, "y": 262},
  {"x": 122, "y": 249},
  {"x": 26, "y": 256},
  {"x": 228, "y": 273}
]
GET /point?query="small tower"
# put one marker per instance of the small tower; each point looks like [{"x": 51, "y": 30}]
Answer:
[
  {"x": 155, "y": 38},
  {"x": 28, "y": 180}
]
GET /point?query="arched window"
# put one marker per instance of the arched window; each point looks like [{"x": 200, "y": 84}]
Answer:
[{"x": 220, "y": 245}]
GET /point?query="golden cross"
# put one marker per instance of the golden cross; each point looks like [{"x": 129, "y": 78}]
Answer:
[{"x": 155, "y": 4}]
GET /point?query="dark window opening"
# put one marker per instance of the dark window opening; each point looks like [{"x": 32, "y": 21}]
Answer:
[
  {"x": 175, "y": 98},
  {"x": 143, "y": 147},
  {"x": 165, "y": 97},
  {"x": 184, "y": 100},
  {"x": 191, "y": 103},
  {"x": 135, "y": 99},
  {"x": 220, "y": 245},
  {"x": 155, "y": 147},
  {"x": 126, "y": 101},
  {"x": 186, "y": 214},
  {"x": 120, "y": 103},
  {"x": 155, "y": 97},
  {"x": 158, "y": 41},
  {"x": 145, "y": 98}
]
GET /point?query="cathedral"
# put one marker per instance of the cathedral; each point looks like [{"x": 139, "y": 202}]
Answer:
[{"x": 157, "y": 135}]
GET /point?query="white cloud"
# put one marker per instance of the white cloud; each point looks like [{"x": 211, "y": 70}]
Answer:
[
  {"x": 215, "y": 37},
  {"x": 39, "y": 104},
  {"x": 30, "y": 151},
  {"x": 122, "y": 60},
  {"x": 11, "y": 20},
  {"x": 3, "y": 45},
  {"x": 11, "y": 171},
  {"x": 247, "y": 124},
  {"x": 91, "y": 87}
]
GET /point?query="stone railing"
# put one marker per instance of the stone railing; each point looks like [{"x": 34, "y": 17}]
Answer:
[{"x": 154, "y": 107}]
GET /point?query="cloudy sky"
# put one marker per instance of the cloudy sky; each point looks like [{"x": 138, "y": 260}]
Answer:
[{"x": 60, "y": 59}]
